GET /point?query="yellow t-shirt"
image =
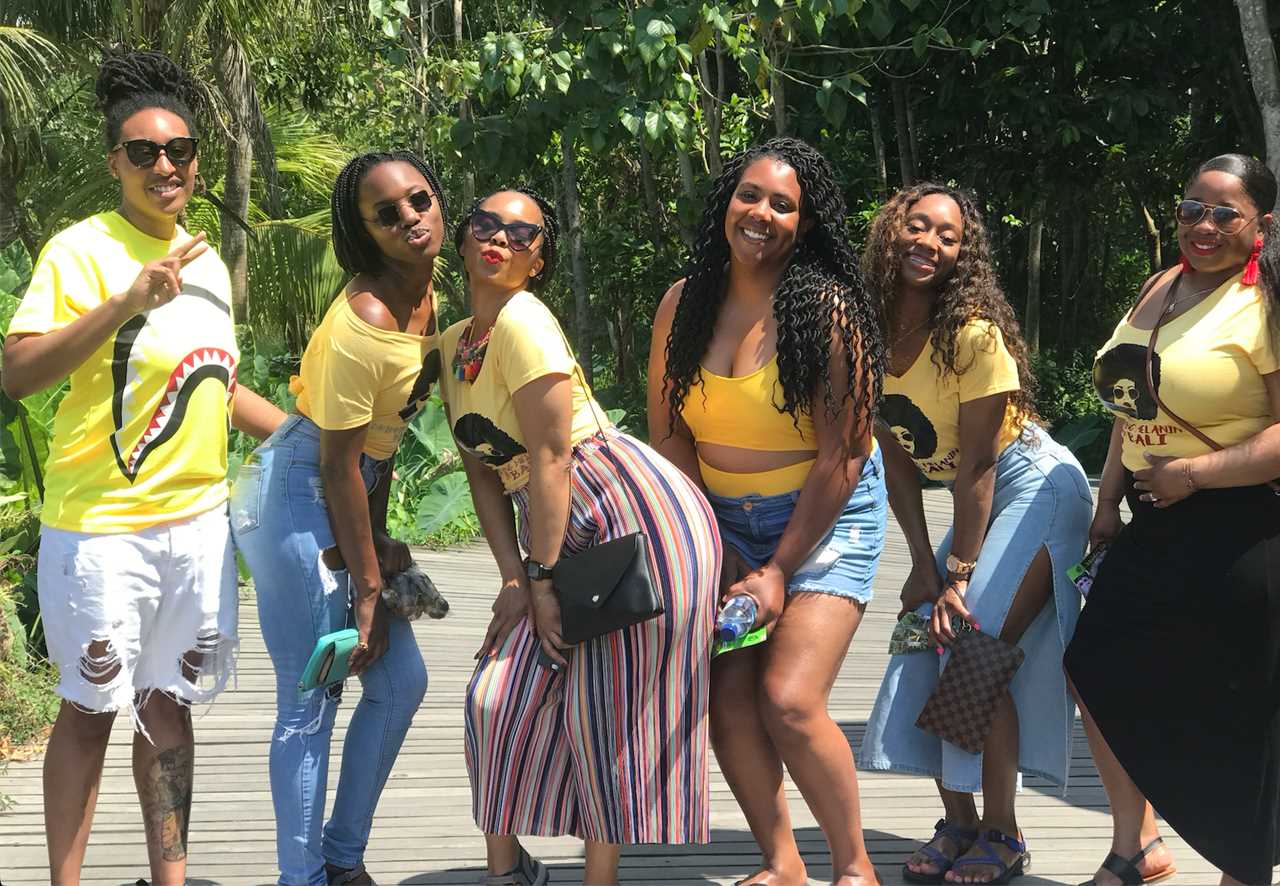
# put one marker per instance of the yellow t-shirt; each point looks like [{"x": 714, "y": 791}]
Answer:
[
  {"x": 141, "y": 436},
  {"x": 525, "y": 344},
  {"x": 922, "y": 406},
  {"x": 354, "y": 374},
  {"x": 1208, "y": 368}
]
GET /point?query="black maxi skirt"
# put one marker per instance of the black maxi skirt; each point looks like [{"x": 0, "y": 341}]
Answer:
[{"x": 1175, "y": 656}]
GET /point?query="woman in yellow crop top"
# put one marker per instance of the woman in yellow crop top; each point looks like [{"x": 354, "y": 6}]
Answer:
[
  {"x": 958, "y": 407},
  {"x": 1184, "y": 605},
  {"x": 764, "y": 368},
  {"x": 309, "y": 511}
]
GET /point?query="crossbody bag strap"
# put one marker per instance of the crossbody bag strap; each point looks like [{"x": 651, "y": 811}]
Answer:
[{"x": 1151, "y": 386}]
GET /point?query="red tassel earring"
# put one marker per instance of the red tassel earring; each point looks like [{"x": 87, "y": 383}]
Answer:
[
  {"x": 1251, "y": 268},
  {"x": 1186, "y": 265}
]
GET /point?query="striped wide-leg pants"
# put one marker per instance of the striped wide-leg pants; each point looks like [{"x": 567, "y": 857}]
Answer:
[{"x": 614, "y": 748}]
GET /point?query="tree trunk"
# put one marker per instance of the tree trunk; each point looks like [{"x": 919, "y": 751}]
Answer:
[
  {"x": 1243, "y": 105},
  {"x": 657, "y": 217},
  {"x": 1202, "y": 120},
  {"x": 911, "y": 129},
  {"x": 264, "y": 153},
  {"x": 11, "y": 167},
  {"x": 777, "y": 85},
  {"x": 577, "y": 261},
  {"x": 1035, "y": 231},
  {"x": 711, "y": 107},
  {"x": 1261, "y": 53},
  {"x": 690, "y": 192},
  {"x": 464, "y": 114},
  {"x": 906, "y": 159},
  {"x": 877, "y": 144},
  {"x": 232, "y": 72},
  {"x": 1149, "y": 228}
]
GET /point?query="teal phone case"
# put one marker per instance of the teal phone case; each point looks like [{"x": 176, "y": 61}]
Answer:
[{"x": 330, "y": 660}]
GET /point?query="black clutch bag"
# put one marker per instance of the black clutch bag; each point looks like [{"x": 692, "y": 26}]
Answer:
[{"x": 605, "y": 588}]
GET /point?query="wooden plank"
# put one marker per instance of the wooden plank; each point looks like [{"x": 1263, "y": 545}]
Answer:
[{"x": 424, "y": 833}]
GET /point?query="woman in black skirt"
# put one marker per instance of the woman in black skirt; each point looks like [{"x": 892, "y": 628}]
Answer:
[{"x": 1186, "y": 603}]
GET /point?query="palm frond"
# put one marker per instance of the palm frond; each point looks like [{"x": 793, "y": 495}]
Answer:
[
  {"x": 26, "y": 58},
  {"x": 306, "y": 156},
  {"x": 293, "y": 277}
]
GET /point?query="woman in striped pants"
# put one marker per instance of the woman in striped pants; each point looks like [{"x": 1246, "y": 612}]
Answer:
[{"x": 606, "y": 740}]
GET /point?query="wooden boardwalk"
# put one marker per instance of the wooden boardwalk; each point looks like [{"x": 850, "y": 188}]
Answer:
[{"x": 424, "y": 833}]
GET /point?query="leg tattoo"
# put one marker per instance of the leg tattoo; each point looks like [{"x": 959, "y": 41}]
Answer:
[{"x": 166, "y": 801}]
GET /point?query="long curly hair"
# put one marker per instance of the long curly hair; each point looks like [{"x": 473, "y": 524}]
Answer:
[
  {"x": 971, "y": 291},
  {"x": 820, "y": 294}
]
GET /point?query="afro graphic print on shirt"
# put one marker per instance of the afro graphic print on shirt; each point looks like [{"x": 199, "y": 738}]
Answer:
[{"x": 1120, "y": 378}]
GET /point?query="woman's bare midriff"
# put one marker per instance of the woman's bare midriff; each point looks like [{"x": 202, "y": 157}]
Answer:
[{"x": 736, "y": 460}]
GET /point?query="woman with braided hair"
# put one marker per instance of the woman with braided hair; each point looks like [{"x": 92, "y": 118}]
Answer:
[
  {"x": 137, "y": 577},
  {"x": 958, "y": 369},
  {"x": 309, "y": 511},
  {"x": 605, "y": 740},
  {"x": 764, "y": 374}
]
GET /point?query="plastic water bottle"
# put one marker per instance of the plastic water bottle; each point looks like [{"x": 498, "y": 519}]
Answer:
[{"x": 736, "y": 618}]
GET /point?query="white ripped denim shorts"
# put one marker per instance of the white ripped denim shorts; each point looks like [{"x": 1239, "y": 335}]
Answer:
[{"x": 128, "y": 614}]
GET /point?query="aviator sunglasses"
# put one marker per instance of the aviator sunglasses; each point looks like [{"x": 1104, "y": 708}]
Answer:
[
  {"x": 389, "y": 216},
  {"x": 1225, "y": 218},
  {"x": 520, "y": 235},
  {"x": 143, "y": 152}
]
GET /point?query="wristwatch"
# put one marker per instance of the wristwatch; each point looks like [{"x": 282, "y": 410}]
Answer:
[
  {"x": 536, "y": 571},
  {"x": 960, "y": 568}
]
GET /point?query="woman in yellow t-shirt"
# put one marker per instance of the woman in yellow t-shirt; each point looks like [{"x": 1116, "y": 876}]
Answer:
[
  {"x": 605, "y": 740},
  {"x": 764, "y": 371},
  {"x": 309, "y": 512},
  {"x": 137, "y": 577},
  {"x": 1185, "y": 602},
  {"x": 958, "y": 408}
]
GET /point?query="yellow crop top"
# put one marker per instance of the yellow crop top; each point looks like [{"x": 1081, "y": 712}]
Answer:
[
  {"x": 354, "y": 373},
  {"x": 526, "y": 344},
  {"x": 1208, "y": 368},
  {"x": 922, "y": 406},
  {"x": 743, "y": 412}
]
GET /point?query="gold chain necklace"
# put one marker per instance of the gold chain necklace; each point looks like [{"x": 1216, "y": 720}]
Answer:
[{"x": 913, "y": 329}]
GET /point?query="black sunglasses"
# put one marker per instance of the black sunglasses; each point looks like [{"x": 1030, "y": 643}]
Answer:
[
  {"x": 1225, "y": 218},
  {"x": 143, "y": 152},
  {"x": 389, "y": 216},
  {"x": 520, "y": 235}
]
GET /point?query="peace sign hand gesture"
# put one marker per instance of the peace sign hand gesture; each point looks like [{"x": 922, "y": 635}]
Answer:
[{"x": 160, "y": 281}]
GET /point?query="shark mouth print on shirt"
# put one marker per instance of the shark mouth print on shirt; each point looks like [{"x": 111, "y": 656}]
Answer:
[{"x": 199, "y": 363}]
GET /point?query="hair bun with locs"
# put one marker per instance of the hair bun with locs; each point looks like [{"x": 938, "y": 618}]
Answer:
[{"x": 129, "y": 82}]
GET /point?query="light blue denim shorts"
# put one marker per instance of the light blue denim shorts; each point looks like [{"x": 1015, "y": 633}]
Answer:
[{"x": 843, "y": 563}]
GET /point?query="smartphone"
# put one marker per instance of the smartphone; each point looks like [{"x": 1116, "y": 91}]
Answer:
[
  {"x": 547, "y": 661},
  {"x": 1083, "y": 573}
]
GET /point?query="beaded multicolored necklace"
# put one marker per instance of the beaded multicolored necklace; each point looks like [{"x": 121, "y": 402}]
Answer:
[{"x": 469, "y": 356}]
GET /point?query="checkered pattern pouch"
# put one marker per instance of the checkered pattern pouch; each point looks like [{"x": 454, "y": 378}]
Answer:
[{"x": 962, "y": 706}]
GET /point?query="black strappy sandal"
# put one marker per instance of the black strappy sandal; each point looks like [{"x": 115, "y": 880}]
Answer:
[{"x": 1127, "y": 868}]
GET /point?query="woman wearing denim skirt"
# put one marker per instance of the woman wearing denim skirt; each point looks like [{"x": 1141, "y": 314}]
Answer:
[
  {"x": 309, "y": 514},
  {"x": 763, "y": 375},
  {"x": 958, "y": 408}
]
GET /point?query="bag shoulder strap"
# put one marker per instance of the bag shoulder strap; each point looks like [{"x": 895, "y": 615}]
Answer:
[{"x": 1169, "y": 301}]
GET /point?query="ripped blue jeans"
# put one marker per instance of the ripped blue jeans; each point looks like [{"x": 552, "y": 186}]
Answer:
[
  {"x": 281, "y": 525},
  {"x": 843, "y": 563}
]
